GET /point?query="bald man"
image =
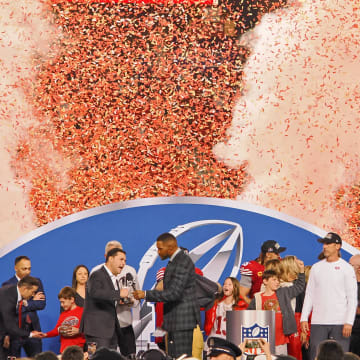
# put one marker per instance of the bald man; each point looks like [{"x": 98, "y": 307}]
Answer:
[{"x": 355, "y": 334}]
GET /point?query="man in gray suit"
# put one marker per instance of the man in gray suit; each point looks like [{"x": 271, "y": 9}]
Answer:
[
  {"x": 181, "y": 309},
  {"x": 99, "y": 322}
]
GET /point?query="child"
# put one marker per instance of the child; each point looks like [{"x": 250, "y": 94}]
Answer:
[
  {"x": 290, "y": 268},
  {"x": 289, "y": 275},
  {"x": 304, "y": 336},
  {"x": 68, "y": 323},
  {"x": 279, "y": 300},
  {"x": 215, "y": 318},
  {"x": 275, "y": 265}
]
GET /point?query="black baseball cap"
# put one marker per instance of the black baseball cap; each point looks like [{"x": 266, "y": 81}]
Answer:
[
  {"x": 272, "y": 246},
  {"x": 331, "y": 238},
  {"x": 106, "y": 354},
  {"x": 219, "y": 346}
]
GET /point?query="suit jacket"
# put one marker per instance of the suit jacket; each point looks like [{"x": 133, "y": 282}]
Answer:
[
  {"x": 99, "y": 317},
  {"x": 32, "y": 307},
  {"x": 9, "y": 319},
  {"x": 181, "y": 309}
]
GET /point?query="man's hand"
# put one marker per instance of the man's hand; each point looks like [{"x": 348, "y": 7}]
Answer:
[
  {"x": 124, "y": 293},
  {"x": 139, "y": 294},
  {"x": 304, "y": 327},
  {"x": 39, "y": 296},
  {"x": 304, "y": 340},
  {"x": 347, "y": 330},
  {"x": 6, "y": 342},
  {"x": 37, "y": 334}
]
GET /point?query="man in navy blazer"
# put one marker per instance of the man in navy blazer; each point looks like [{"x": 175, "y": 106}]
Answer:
[
  {"x": 30, "y": 319},
  {"x": 181, "y": 309},
  {"x": 11, "y": 296},
  {"x": 99, "y": 321}
]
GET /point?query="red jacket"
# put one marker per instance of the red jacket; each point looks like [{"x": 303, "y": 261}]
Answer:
[{"x": 210, "y": 315}]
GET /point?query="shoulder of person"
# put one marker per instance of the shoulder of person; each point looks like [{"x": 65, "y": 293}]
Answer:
[
  {"x": 9, "y": 291},
  {"x": 96, "y": 267},
  {"x": 78, "y": 309},
  {"x": 13, "y": 280},
  {"x": 8, "y": 288},
  {"x": 319, "y": 264},
  {"x": 250, "y": 266},
  {"x": 98, "y": 272},
  {"x": 182, "y": 256}
]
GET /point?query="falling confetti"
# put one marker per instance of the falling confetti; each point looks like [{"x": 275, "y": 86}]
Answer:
[
  {"x": 24, "y": 33},
  {"x": 128, "y": 100},
  {"x": 297, "y": 124}
]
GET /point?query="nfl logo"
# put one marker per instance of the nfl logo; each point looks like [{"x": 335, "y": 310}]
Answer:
[
  {"x": 255, "y": 332},
  {"x": 251, "y": 336}
]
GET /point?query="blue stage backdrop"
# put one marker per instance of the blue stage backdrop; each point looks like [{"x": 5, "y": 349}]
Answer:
[{"x": 220, "y": 234}]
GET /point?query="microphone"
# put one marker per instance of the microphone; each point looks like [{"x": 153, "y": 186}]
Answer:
[{"x": 130, "y": 282}]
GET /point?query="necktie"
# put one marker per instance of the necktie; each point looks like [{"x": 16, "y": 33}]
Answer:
[
  {"x": 20, "y": 312},
  {"x": 118, "y": 288}
]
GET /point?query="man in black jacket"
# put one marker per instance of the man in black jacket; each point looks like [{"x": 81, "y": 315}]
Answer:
[
  {"x": 99, "y": 322},
  {"x": 181, "y": 309},
  {"x": 30, "y": 317},
  {"x": 12, "y": 299}
]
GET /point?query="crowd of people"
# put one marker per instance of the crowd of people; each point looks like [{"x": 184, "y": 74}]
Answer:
[{"x": 312, "y": 304}]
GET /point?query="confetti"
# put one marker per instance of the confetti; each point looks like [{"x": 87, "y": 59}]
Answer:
[
  {"x": 298, "y": 119},
  {"x": 130, "y": 101},
  {"x": 136, "y": 99}
]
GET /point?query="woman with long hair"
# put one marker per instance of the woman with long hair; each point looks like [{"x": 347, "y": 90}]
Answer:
[{"x": 79, "y": 279}]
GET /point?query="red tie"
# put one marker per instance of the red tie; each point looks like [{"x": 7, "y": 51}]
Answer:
[{"x": 19, "y": 311}]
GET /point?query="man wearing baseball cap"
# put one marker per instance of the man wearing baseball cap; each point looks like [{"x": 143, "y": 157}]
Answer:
[
  {"x": 251, "y": 271},
  {"x": 331, "y": 295},
  {"x": 221, "y": 349}
]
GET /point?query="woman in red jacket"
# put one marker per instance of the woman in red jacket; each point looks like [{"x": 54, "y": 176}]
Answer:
[{"x": 215, "y": 318}]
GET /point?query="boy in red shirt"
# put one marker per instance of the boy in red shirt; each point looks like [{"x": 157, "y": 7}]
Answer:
[
  {"x": 278, "y": 299},
  {"x": 69, "y": 320}
]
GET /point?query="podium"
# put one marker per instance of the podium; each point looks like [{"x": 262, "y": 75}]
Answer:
[{"x": 251, "y": 324}]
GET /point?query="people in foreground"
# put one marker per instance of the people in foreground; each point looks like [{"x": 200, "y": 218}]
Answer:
[
  {"x": 278, "y": 299},
  {"x": 331, "y": 296}
]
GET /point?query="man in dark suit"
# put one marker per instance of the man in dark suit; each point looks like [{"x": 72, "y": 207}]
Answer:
[
  {"x": 99, "y": 322},
  {"x": 12, "y": 301},
  {"x": 30, "y": 319},
  {"x": 181, "y": 309}
]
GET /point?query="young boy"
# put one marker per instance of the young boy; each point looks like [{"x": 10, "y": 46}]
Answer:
[
  {"x": 278, "y": 299},
  {"x": 68, "y": 323}
]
